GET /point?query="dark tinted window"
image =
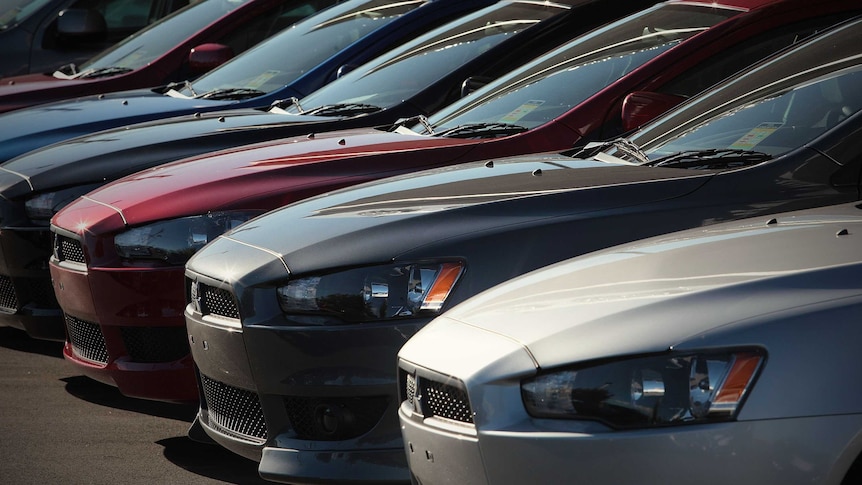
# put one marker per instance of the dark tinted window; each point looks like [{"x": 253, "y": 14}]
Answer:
[
  {"x": 778, "y": 123},
  {"x": 553, "y": 84},
  {"x": 291, "y": 53},
  {"x": 404, "y": 72}
]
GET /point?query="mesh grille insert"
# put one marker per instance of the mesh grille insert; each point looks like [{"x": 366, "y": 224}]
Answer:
[
  {"x": 8, "y": 298},
  {"x": 445, "y": 401},
  {"x": 218, "y": 301},
  {"x": 69, "y": 249},
  {"x": 234, "y": 411},
  {"x": 155, "y": 344},
  {"x": 410, "y": 388},
  {"x": 87, "y": 340}
]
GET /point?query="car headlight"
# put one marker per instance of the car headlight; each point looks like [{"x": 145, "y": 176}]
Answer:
[
  {"x": 174, "y": 241},
  {"x": 43, "y": 206},
  {"x": 647, "y": 391},
  {"x": 392, "y": 291}
]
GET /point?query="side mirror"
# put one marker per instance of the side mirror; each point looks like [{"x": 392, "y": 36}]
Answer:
[
  {"x": 82, "y": 25},
  {"x": 639, "y": 107},
  {"x": 473, "y": 83},
  {"x": 208, "y": 56}
]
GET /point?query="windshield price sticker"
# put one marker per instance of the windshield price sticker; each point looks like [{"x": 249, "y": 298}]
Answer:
[
  {"x": 755, "y": 136},
  {"x": 262, "y": 79},
  {"x": 522, "y": 111}
]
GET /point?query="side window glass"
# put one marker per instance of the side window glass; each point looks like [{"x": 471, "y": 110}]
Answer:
[
  {"x": 122, "y": 17},
  {"x": 271, "y": 22},
  {"x": 733, "y": 60}
]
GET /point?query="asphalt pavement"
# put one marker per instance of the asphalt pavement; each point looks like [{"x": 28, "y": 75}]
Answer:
[{"x": 57, "y": 426}]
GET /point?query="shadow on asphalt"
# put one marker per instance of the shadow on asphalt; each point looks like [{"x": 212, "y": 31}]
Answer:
[
  {"x": 105, "y": 395},
  {"x": 211, "y": 461},
  {"x": 14, "y": 339}
]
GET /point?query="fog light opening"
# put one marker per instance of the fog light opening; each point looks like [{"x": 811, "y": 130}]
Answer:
[{"x": 333, "y": 420}]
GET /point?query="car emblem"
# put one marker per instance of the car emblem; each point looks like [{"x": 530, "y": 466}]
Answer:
[
  {"x": 56, "y": 247},
  {"x": 194, "y": 295}
]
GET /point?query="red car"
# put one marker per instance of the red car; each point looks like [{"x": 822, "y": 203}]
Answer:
[
  {"x": 119, "y": 251},
  {"x": 179, "y": 47}
]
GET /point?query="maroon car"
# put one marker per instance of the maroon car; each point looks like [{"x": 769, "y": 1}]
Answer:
[
  {"x": 120, "y": 250},
  {"x": 181, "y": 46}
]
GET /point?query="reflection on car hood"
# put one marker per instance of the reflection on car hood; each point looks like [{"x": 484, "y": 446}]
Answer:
[
  {"x": 672, "y": 291},
  {"x": 111, "y": 154},
  {"x": 380, "y": 221},
  {"x": 254, "y": 176},
  {"x": 29, "y": 83},
  {"x": 24, "y": 130}
]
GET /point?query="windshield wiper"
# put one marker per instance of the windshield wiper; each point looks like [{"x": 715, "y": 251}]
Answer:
[
  {"x": 287, "y": 103},
  {"x": 624, "y": 145},
  {"x": 421, "y": 119},
  {"x": 231, "y": 93},
  {"x": 711, "y": 159},
  {"x": 184, "y": 84},
  {"x": 102, "y": 72},
  {"x": 343, "y": 109},
  {"x": 484, "y": 130}
]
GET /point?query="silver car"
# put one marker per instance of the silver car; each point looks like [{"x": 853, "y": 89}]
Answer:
[{"x": 711, "y": 356}]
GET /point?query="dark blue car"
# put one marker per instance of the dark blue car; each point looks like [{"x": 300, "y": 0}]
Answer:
[{"x": 292, "y": 64}]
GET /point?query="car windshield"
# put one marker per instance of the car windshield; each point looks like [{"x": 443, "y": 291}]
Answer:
[
  {"x": 143, "y": 47},
  {"x": 764, "y": 128},
  {"x": 283, "y": 58},
  {"x": 140, "y": 49},
  {"x": 565, "y": 77},
  {"x": 402, "y": 73},
  {"x": 13, "y": 12}
]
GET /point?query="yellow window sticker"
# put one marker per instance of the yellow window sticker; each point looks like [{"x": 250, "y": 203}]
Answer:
[
  {"x": 521, "y": 111},
  {"x": 755, "y": 136},
  {"x": 261, "y": 79}
]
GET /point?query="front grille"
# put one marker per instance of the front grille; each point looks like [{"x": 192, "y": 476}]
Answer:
[
  {"x": 87, "y": 340},
  {"x": 433, "y": 398},
  {"x": 233, "y": 411},
  {"x": 218, "y": 301},
  {"x": 445, "y": 401},
  {"x": 334, "y": 419},
  {"x": 8, "y": 298},
  {"x": 68, "y": 249},
  {"x": 155, "y": 344}
]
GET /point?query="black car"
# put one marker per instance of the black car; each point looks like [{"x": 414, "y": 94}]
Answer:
[
  {"x": 414, "y": 79},
  {"x": 295, "y": 317},
  {"x": 43, "y": 35}
]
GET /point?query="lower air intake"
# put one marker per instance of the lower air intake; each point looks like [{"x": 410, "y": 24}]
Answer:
[
  {"x": 87, "y": 340},
  {"x": 233, "y": 411}
]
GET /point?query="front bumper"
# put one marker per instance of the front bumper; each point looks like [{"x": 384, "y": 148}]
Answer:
[
  {"x": 125, "y": 328},
  {"x": 464, "y": 421},
  {"x": 312, "y": 404},
  {"x": 26, "y": 296},
  {"x": 787, "y": 451}
]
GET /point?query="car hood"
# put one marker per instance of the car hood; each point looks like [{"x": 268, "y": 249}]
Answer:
[
  {"x": 391, "y": 218},
  {"x": 29, "y": 82},
  {"x": 250, "y": 176},
  {"x": 24, "y": 91},
  {"x": 110, "y": 154},
  {"x": 642, "y": 297},
  {"x": 28, "y": 129}
]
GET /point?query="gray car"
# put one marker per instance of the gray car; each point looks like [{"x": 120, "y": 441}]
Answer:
[
  {"x": 708, "y": 356},
  {"x": 296, "y": 317}
]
